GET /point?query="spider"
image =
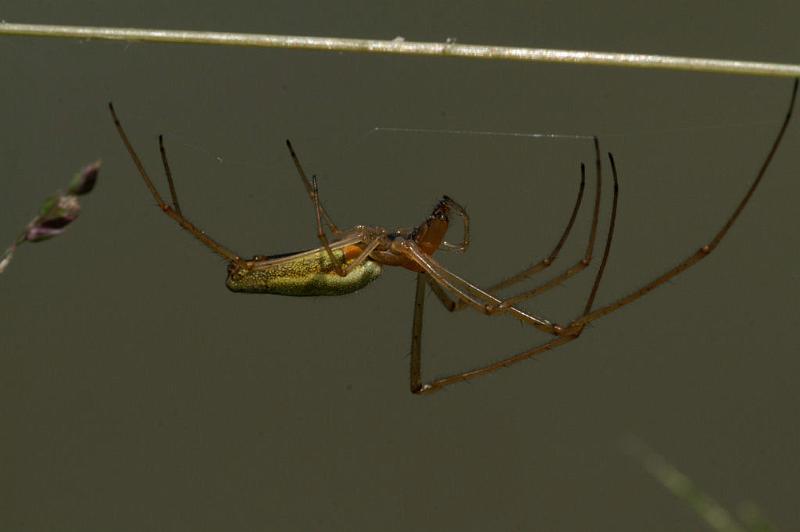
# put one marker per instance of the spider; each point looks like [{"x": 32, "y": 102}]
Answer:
[{"x": 352, "y": 258}]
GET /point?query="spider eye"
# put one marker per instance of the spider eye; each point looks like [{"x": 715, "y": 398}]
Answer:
[{"x": 440, "y": 211}]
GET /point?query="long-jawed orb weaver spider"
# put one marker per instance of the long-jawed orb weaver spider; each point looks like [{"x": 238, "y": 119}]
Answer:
[{"x": 353, "y": 258}]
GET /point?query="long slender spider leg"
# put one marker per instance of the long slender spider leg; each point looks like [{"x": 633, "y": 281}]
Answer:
[
  {"x": 462, "y": 213},
  {"x": 705, "y": 250},
  {"x": 415, "y": 380},
  {"x": 471, "y": 294},
  {"x": 173, "y": 213},
  {"x": 172, "y": 191},
  {"x": 582, "y": 263},
  {"x": 609, "y": 238},
  {"x": 548, "y": 261},
  {"x": 576, "y": 268},
  {"x": 442, "y": 282},
  {"x": 337, "y": 265},
  {"x": 450, "y": 304},
  {"x": 415, "y": 366},
  {"x": 551, "y": 257},
  {"x": 446, "y": 301},
  {"x": 310, "y": 190}
]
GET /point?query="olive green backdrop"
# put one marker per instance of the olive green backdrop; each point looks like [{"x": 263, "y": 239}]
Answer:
[{"x": 137, "y": 393}]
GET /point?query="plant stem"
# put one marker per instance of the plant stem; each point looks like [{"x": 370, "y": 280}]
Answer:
[{"x": 402, "y": 47}]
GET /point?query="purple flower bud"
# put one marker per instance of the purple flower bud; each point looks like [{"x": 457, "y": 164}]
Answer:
[
  {"x": 84, "y": 181},
  {"x": 56, "y": 214}
]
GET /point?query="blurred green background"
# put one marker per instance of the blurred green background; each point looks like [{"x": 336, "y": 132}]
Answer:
[{"x": 137, "y": 393}]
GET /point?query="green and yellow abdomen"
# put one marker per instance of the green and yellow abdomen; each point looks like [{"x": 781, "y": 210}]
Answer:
[{"x": 305, "y": 274}]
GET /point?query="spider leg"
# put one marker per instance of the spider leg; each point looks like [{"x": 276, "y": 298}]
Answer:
[
  {"x": 446, "y": 301},
  {"x": 415, "y": 376},
  {"x": 576, "y": 268},
  {"x": 473, "y": 296},
  {"x": 337, "y": 265},
  {"x": 172, "y": 192},
  {"x": 312, "y": 187},
  {"x": 563, "y": 336},
  {"x": 551, "y": 257},
  {"x": 173, "y": 211},
  {"x": 311, "y": 190},
  {"x": 705, "y": 250}
]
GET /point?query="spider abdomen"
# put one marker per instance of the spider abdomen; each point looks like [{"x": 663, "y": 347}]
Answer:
[{"x": 306, "y": 274}]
